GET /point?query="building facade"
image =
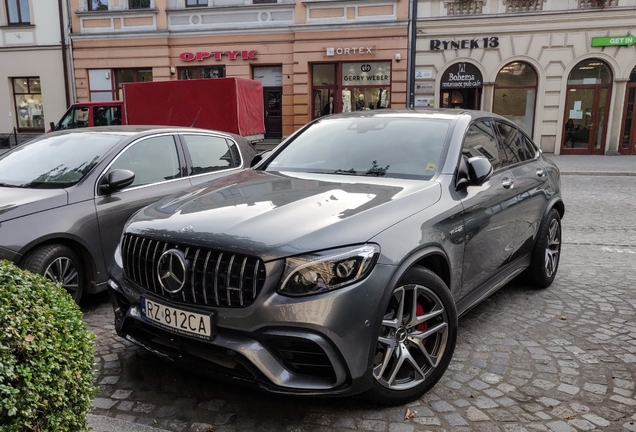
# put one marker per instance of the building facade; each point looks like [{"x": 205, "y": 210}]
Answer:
[
  {"x": 314, "y": 57},
  {"x": 32, "y": 61},
  {"x": 564, "y": 70}
]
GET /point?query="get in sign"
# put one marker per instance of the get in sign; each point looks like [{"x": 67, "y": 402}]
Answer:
[{"x": 628, "y": 40}]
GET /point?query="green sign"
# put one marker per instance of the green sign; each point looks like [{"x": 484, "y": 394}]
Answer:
[{"x": 628, "y": 40}]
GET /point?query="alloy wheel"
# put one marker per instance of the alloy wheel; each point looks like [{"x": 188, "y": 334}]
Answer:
[
  {"x": 413, "y": 338},
  {"x": 63, "y": 271},
  {"x": 553, "y": 248}
]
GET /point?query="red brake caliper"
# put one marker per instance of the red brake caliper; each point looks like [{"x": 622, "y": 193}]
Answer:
[{"x": 421, "y": 326}]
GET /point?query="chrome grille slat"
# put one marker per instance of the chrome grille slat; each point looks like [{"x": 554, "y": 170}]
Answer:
[
  {"x": 228, "y": 279},
  {"x": 241, "y": 281},
  {"x": 194, "y": 272},
  {"x": 216, "y": 278},
  {"x": 205, "y": 275},
  {"x": 140, "y": 257}
]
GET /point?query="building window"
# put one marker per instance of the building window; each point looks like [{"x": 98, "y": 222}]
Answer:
[
  {"x": 128, "y": 76},
  {"x": 28, "y": 104},
  {"x": 100, "y": 85},
  {"x": 139, "y": 4},
  {"x": 18, "y": 12},
  {"x": 515, "y": 94},
  {"x": 97, "y": 5},
  {"x": 201, "y": 72},
  {"x": 195, "y": 3},
  {"x": 347, "y": 87},
  {"x": 264, "y": 1}
]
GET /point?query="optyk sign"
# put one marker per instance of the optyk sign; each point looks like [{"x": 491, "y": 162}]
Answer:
[{"x": 233, "y": 55}]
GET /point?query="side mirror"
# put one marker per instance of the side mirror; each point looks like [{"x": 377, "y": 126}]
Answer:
[
  {"x": 259, "y": 157},
  {"x": 116, "y": 180},
  {"x": 473, "y": 172}
]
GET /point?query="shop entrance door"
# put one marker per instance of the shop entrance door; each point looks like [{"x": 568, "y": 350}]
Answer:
[
  {"x": 272, "y": 100},
  {"x": 460, "y": 87},
  {"x": 585, "y": 122},
  {"x": 628, "y": 139}
]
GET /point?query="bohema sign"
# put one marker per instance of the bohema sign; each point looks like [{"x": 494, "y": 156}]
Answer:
[
  {"x": 378, "y": 73},
  {"x": 628, "y": 40},
  {"x": 461, "y": 75},
  {"x": 487, "y": 42},
  {"x": 232, "y": 55},
  {"x": 347, "y": 51}
]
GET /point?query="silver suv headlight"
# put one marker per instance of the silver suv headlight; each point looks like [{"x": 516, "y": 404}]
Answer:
[{"x": 327, "y": 270}]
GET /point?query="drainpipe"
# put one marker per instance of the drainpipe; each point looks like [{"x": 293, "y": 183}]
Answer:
[
  {"x": 64, "y": 65},
  {"x": 412, "y": 48}
]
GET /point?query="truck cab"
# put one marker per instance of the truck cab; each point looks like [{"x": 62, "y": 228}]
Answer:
[{"x": 89, "y": 114}]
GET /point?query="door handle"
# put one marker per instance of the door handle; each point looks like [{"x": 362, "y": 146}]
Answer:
[
  {"x": 540, "y": 172},
  {"x": 507, "y": 182}
]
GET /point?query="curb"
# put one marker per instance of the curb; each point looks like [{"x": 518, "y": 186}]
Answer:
[
  {"x": 108, "y": 424},
  {"x": 598, "y": 173}
]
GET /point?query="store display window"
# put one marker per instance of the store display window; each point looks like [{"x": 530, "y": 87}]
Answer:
[
  {"x": 201, "y": 72},
  {"x": 515, "y": 94},
  {"x": 348, "y": 87},
  {"x": 128, "y": 76},
  {"x": 28, "y": 104}
]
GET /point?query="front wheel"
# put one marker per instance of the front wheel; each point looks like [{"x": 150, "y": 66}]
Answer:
[
  {"x": 547, "y": 251},
  {"x": 416, "y": 340},
  {"x": 61, "y": 265}
]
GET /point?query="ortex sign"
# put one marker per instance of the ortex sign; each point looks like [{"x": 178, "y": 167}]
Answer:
[
  {"x": 233, "y": 55},
  {"x": 628, "y": 40}
]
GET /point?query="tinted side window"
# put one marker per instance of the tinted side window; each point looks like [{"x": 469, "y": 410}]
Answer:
[
  {"x": 208, "y": 153},
  {"x": 511, "y": 143},
  {"x": 530, "y": 148},
  {"x": 153, "y": 160},
  {"x": 234, "y": 152},
  {"x": 480, "y": 141},
  {"x": 107, "y": 116}
]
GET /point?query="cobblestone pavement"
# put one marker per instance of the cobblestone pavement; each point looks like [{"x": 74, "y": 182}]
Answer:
[{"x": 561, "y": 359}]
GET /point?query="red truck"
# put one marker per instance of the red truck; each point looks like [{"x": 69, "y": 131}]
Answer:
[{"x": 232, "y": 105}]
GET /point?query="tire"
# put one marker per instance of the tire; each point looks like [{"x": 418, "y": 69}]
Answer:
[
  {"x": 546, "y": 253},
  {"x": 60, "y": 264},
  {"x": 411, "y": 353}
]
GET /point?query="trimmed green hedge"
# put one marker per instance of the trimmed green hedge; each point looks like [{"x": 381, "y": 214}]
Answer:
[{"x": 46, "y": 356}]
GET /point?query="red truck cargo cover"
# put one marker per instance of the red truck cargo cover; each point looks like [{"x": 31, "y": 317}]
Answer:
[{"x": 232, "y": 105}]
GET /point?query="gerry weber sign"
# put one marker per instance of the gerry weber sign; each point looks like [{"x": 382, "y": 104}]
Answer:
[
  {"x": 376, "y": 73},
  {"x": 461, "y": 75},
  {"x": 487, "y": 42},
  {"x": 232, "y": 55}
]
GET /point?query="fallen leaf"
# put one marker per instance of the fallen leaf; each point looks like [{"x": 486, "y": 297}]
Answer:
[
  {"x": 29, "y": 338},
  {"x": 564, "y": 318},
  {"x": 211, "y": 429},
  {"x": 570, "y": 418},
  {"x": 410, "y": 414}
]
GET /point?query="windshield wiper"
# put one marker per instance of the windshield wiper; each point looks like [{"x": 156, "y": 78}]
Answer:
[
  {"x": 347, "y": 172},
  {"x": 12, "y": 185}
]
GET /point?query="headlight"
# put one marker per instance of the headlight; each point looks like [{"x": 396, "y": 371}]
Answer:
[{"x": 328, "y": 270}]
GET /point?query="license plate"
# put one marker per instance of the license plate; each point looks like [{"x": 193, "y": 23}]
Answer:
[{"x": 177, "y": 320}]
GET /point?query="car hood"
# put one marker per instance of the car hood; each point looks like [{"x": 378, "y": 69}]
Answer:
[
  {"x": 17, "y": 202},
  {"x": 274, "y": 215}
]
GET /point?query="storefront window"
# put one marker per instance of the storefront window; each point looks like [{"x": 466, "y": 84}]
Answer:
[
  {"x": 515, "y": 94},
  {"x": 628, "y": 143},
  {"x": 460, "y": 86},
  {"x": 361, "y": 86},
  {"x": 28, "y": 103},
  {"x": 18, "y": 12},
  {"x": 201, "y": 72},
  {"x": 590, "y": 72},
  {"x": 130, "y": 75}
]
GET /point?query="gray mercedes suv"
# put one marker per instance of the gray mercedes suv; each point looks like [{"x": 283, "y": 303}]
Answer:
[{"x": 340, "y": 263}]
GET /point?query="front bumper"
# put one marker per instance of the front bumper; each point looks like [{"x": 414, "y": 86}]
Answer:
[{"x": 314, "y": 345}]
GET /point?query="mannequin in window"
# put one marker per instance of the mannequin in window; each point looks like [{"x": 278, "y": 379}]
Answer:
[
  {"x": 346, "y": 101},
  {"x": 23, "y": 113},
  {"x": 360, "y": 103},
  {"x": 382, "y": 103},
  {"x": 328, "y": 109}
]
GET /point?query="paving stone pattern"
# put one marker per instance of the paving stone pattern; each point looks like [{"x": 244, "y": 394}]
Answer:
[{"x": 558, "y": 360}]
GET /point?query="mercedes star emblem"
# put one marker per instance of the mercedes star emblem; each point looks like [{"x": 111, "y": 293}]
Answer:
[{"x": 172, "y": 270}]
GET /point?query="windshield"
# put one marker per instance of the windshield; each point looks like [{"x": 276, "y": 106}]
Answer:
[
  {"x": 54, "y": 162},
  {"x": 368, "y": 146}
]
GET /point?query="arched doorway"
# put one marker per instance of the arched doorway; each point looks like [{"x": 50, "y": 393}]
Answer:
[
  {"x": 516, "y": 94},
  {"x": 460, "y": 87},
  {"x": 628, "y": 139},
  {"x": 586, "y": 108}
]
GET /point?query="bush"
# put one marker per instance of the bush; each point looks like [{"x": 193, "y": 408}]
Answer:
[{"x": 46, "y": 356}]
